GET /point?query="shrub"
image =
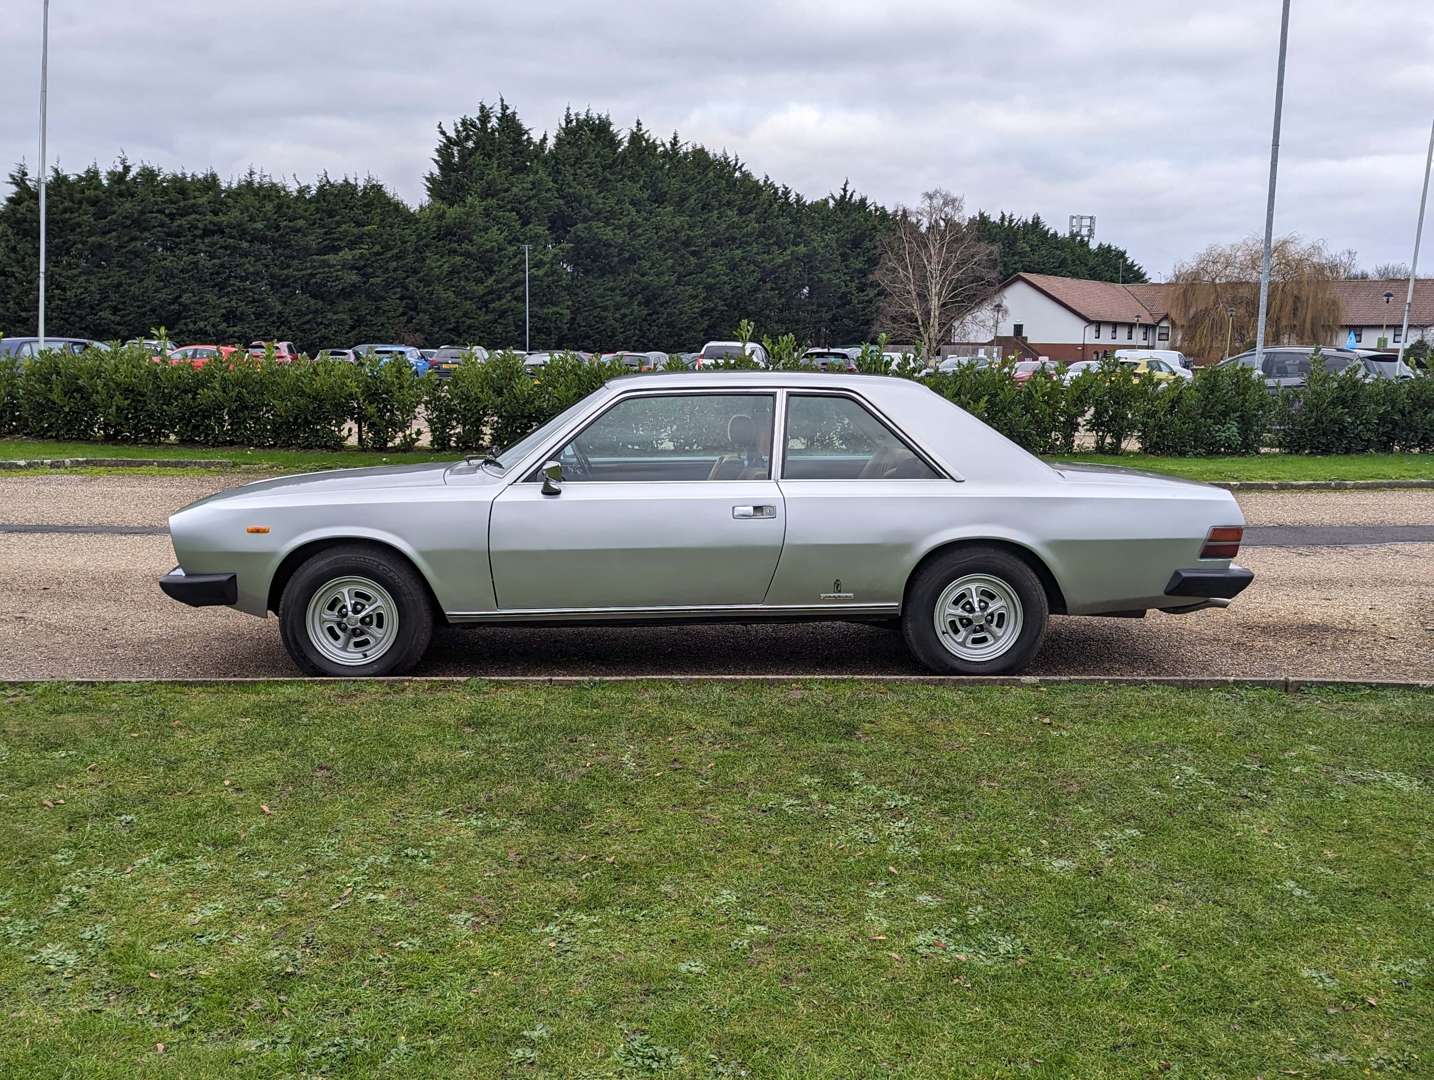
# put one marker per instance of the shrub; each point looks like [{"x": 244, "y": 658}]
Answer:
[
  {"x": 1330, "y": 414},
  {"x": 11, "y": 416},
  {"x": 1223, "y": 410},
  {"x": 385, "y": 403}
]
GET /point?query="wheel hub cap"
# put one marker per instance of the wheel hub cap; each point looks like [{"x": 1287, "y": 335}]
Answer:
[
  {"x": 352, "y": 620},
  {"x": 978, "y": 617}
]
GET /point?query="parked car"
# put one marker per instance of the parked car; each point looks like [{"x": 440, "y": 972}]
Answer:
[
  {"x": 1173, "y": 357},
  {"x": 157, "y": 348},
  {"x": 1162, "y": 371},
  {"x": 1079, "y": 368},
  {"x": 636, "y": 361},
  {"x": 949, "y": 364},
  {"x": 285, "y": 352},
  {"x": 343, "y": 356},
  {"x": 1385, "y": 364},
  {"x": 665, "y": 498},
  {"x": 385, "y": 353},
  {"x": 1024, "y": 371},
  {"x": 443, "y": 361},
  {"x": 716, "y": 353},
  {"x": 828, "y": 360},
  {"x": 199, "y": 355},
  {"x": 27, "y": 347},
  {"x": 1288, "y": 367}
]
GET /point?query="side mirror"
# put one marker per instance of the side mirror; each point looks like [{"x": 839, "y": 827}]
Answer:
[{"x": 552, "y": 478}]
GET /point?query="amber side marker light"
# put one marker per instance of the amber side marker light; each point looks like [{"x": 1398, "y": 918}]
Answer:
[
  {"x": 261, "y": 529},
  {"x": 1223, "y": 542}
]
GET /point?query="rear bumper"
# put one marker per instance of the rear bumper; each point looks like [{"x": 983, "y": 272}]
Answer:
[
  {"x": 200, "y": 590},
  {"x": 1209, "y": 584}
]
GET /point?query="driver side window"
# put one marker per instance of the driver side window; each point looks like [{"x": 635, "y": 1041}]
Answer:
[{"x": 675, "y": 437}]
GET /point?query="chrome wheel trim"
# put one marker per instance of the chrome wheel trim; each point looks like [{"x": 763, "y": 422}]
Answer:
[
  {"x": 352, "y": 620},
  {"x": 978, "y": 617}
]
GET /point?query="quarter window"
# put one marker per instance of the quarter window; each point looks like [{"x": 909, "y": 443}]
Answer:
[
  {"x": 835, "y": 438},
  {"x": 675, "y": 437}
]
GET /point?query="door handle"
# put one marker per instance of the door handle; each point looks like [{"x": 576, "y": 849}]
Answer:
[{"x": 750, "y": 512}]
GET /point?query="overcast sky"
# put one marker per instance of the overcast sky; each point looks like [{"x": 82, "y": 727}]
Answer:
[{"x": 1154, "y": 116}]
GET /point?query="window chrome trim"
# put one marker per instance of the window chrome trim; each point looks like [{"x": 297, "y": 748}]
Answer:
[
  {"x": 556, "y": 448},
  {"x": 942, "y": 473}
]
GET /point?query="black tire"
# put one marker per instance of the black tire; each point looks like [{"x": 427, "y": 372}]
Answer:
[
  {"x": 918, "y": 616},
  {"x": 393, "y": 574}
]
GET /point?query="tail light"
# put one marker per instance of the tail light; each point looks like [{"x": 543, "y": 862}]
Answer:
[{"x": 1222, "y": 542}]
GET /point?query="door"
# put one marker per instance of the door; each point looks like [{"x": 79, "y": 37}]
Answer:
[
  {"x": 859, "y": 498},
  {"x": 666, "y": 501}
]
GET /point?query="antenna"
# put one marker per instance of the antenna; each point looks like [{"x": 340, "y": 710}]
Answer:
[{"x": 1082, "y": 227}]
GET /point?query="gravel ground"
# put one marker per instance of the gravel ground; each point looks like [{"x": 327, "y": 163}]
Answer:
[{"x": 88, "y": 606}]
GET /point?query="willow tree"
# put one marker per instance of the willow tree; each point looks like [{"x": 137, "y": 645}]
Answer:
[
  {"x": 1303, "y": 308},
  {"x": 935, "y": 270}
]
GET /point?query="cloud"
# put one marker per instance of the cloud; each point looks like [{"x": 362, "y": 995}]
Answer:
[{"x": 1154, "y": 116}]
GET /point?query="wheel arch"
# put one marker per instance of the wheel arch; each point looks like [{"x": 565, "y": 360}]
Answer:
[
  {"x": 1055, "y": 598},
  {"x": 301, "y": 553}
]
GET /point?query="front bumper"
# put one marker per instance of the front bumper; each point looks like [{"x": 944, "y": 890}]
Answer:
[
  {"x": 200, "y": 590},
  {"x": 1209, "y": 584}
]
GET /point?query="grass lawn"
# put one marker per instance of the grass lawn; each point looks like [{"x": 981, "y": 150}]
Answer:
[
  {"x": 1256, "y": 467},
  {"x": 1275, "y": 466},
  {"x": 276, "y": 460},
  {"x": 706, "y": 880}
]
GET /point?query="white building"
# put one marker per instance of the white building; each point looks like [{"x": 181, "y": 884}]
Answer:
[{"x": 1071, "y": 319}]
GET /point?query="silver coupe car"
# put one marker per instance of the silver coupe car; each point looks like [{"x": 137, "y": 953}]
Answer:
[{"x": 742, "y": 496}]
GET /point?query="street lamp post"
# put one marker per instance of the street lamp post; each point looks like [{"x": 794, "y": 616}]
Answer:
[
  {"x": 1270, "y": 198},
  {"x": 1229, "y": 329},
  {"x": 1384, "y": 330},
  {"x": 527, "y": 338},
  {"x": 1414, "y": 262},
  {"x": 44, "y": 165},
  {"x": 1083, "y": 331}
]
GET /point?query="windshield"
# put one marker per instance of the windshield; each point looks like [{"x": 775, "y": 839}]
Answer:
[
  {"x": 718, "y": 352},
  {"x": 515, "y": 453}
]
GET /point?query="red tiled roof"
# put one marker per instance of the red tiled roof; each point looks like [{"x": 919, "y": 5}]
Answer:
[
  {"x": 1154, "y": 296},
  {"x": 1092, "y": 300},
  {"x": 1096, "y": 301},
  {"x": 1363, "y": 302}
]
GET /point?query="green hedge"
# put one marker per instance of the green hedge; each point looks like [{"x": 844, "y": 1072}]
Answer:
[{"x": 123, "y": 396}]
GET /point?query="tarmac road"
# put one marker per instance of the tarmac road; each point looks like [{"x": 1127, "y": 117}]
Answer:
[{"x": 1344, "y": 588}]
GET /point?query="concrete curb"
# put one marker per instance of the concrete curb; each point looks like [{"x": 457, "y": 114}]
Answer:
[
  {"x": 1286, "y": 683},
  {"x": 120, "y": 463},
  {"x": 1320, "y": 485}
]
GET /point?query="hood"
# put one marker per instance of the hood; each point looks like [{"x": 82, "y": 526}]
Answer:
[
  {"x": 378, "y": 478},
  {"x": 1081, "y": 473}
]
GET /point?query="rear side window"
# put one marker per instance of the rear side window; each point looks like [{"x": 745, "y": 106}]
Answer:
[{"x": 836, "y": 438}]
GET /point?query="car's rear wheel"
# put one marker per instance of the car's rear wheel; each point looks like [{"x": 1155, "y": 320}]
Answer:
[
  {"x": 975, "y": 611},
  {"x": 355, "y": 611}
]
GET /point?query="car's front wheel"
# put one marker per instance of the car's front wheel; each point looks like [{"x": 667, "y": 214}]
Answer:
[
  {"x": 355, "y": 611},
  {"x": 975, "y": 611}
]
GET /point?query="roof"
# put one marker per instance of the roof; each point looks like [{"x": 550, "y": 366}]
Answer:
[
  {"x": 1096, "y": 301},
  {"x": 1362, "y": 302}
]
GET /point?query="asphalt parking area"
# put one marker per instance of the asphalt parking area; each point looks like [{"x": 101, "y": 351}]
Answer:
[{"x": 83, "y": 603}]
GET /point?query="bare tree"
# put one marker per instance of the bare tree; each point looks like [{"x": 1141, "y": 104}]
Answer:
[
  {"x": 934, "y": 270},
  {"x": 1303, "y": 307}
]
